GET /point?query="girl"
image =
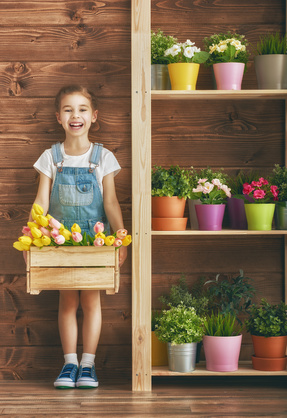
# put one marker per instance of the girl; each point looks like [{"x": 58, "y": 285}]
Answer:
[{"x": 77, "y": 186}]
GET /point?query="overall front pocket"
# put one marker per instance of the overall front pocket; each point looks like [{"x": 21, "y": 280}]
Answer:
[{"x": 80, "y": 194}]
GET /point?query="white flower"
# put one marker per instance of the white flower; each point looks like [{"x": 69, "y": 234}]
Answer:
[
  {"x": 198, "y": 189},
  {"x": 174, "y": 50},
  {"x": 190, "y": 50},
  {"x": 207, "y": 188},
  {"x": 226, "y": 190},
  {"x": 221, "y": 48},
  {"x": 217, "y": 183},
  {"x": 188, "y": 43},
  {"x": 201, "y": 181}
]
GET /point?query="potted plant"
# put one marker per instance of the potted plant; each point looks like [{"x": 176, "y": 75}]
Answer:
[
  {"x": 158, "y": 348},
  {"x": 195, "y": 175},
  {"x": 271, "y": 61},
  {"x": 182, "y": 329},
  {"x": 278, "y": 177},
  {"x": 170, "y": 189},
  {"x": 159, "y": 72},
  {"x": 213, "y": 196},
  {"x": 267, "y": 325},
  {"x": 260, "y": 207},
  {"x": 222, "y": 342},
  {"x": 228, "y": 56},
  {"x": 184, "y": 60},
  {"x": 235, "y": 205}
]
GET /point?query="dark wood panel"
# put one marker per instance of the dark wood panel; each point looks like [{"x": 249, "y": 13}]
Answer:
[
  {"x": 68, "y": 43},
  {"x": 63, "y": 12},
  {"x": 42, "y": 79}
]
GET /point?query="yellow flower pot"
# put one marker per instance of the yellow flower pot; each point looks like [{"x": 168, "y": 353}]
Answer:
[
  {"x": 159, "y": 351},
  {"x": 183, "y": 76}
]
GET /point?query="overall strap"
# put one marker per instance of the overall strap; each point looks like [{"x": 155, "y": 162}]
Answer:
[
  {"x": 57, "y": 156},
  {"x": 95, "y": 156}
]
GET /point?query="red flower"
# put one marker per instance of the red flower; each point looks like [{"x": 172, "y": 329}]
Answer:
[{"x": 259, "y": 194}]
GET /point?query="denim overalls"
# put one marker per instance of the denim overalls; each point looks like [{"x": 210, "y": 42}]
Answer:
[{"x": 76, "y": 196}]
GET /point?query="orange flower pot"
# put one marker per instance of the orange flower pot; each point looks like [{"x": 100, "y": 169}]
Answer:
[
  {"x": 269, "y": 347},
  {"x": 167, "y": 207},
  {"x": 269, "y": 364},
  {"x": 169, "y": 224}
]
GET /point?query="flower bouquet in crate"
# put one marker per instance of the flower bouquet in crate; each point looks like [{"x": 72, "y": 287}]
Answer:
[{"x": 62, "y": 259}]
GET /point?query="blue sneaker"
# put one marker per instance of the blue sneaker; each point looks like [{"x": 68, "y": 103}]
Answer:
[
  {"x": 87, "y": 378},
  {"x": 67, "y": 378}
]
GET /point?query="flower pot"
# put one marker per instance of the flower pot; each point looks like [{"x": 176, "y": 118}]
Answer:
[
  {"x": 181, "y": 357},
  {"x": 271, "y": 71},
  {"x": 269, "y": 364},
  {"x": 228, "y": 75},
  {"x": 269, "y": 347},
  {"x": 158, "y": 351},
  {"x": 183, "y": 76},
  {"x": 222, "y": 353},
  {"x": 259, "y": 216},
  {"x": 192, "y": 213},
  {"x": 169, "y": 224},
  {"x": 236, "y": 213},
  {"x": 160, "y": 77},
  {"x": 210, "y": 217},
  {"x": 167, "y": 207},
  {"x": 281, "y": 215}
]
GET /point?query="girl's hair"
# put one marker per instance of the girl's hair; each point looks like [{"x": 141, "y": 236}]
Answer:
[{"x": 74, "y": 88}]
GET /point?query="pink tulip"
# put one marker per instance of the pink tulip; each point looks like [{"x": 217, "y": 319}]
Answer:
[
  {"x": 59, "y": 239},
  {"x": 122, "y": 233},
  {"x": 99, "y": 242},
  {"x": 99, "y": 227},
  {"x": 118, "y": 242},
  {"x": 55, "y": 232},
  {"x": 77, "y": 237},
  {"x": 27, "y": 231},
  {"x": 45, "y": 231},
  {"x": 54, "y": 223}
]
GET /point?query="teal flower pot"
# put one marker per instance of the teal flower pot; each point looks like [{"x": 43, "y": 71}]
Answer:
[
  {"x": 259, "y": 216},
  {"x": 281, "y": 215}
]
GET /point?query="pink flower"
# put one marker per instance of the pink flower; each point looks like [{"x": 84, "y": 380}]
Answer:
[
  {"x": 45, "y": 231},
  {"x": 217, "y": 183},
  {"x": 27, "y": 231},
  {"x": 226, "y": 190},
  {"x": 121, "y": 233},
  {"x": 247, "y": 188},
  {"x": 55, "y": 232},
  {"x": 275, "y": 192},
  {"x": 263, "y": 181},
  {"x": 256, "y": 183},
  {"x": 201, "y": 181},
  {"x": 259, "y": 194},
  {"x": 59, "y": 239},
  {"x": 99, "y": 227},
  {"x": 99, "y": 242},
  {"x": 118, "y": 242},
  {"x": 54, "y": 223},
  {"x": 77, "y": 236}
]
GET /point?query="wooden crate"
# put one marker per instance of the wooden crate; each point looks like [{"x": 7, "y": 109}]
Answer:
[{"x": 73, "y": 268}]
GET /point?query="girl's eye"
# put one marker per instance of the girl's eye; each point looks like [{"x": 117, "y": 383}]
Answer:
[
  {"x": 67, "y": 110},
  {"x": 83, "y": 110}
]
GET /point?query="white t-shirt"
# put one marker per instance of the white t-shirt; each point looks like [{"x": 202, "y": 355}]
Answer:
[{"x": 107, "y": 164}]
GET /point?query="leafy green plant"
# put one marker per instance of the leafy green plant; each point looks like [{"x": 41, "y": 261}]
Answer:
[
  {"x": 173, "y": 181},
  {"x": 180, "y": 294},
  {"x": 159, "y": 44},
  {"x": 278, "y": 177},
  {"x": 267, "y": 320},
  {"x": 271, "y": 44},
  {"x": 236, "y": 183},
  {"x": 180, "y": 325},
  {"x": 221, "y": 325},
  {"x": 155, "y": 316},
  {"x": 231, "y": 295}
]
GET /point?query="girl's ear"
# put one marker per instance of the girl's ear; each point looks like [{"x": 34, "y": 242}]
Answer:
[
  {"x": 95, "y": 116},
  {"x": 58, "y": 118}
]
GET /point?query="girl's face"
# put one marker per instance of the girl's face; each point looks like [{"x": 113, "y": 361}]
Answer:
[{"x": 76, "y": 114}]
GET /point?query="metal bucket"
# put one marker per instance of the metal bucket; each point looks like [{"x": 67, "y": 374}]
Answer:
[
  {"x": 182, "y": 357},
  {"x": 160, "y": 77}
]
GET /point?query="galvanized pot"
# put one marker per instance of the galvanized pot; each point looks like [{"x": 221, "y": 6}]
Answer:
[
  {"x": 271, "y": 71},
  {"x": 182, "y": 357},
  {"x": 160, "y": 77}
]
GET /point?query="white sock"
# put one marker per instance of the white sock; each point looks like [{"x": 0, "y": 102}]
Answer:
[
  {"x": 88, "y": 360},
  {"x": 71, "y": 358}
]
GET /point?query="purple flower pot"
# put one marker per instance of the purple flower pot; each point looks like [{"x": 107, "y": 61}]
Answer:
[
  {"x": 236, "y": 212},
  {"x": 210, "y": 217}
]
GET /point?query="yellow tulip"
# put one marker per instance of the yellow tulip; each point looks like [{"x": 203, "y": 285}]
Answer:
[
  {"x": 33, "y": 214},
  {"x": 38, "y": 209},
  {"x": 21, "y": 247},
  {"x": 48, "y": 216},
  {"x": 38, "y": 242},
  {"x": 100, "y": 235},
  {"x": 46, "y": 240},
  {"x": 36, "y": 232},
  {"x": 109, "y": 240},
  {"x": 76, "y": 228},
  {"x": 33, "y": 225},
  {"x": 25, "y": 240},
  {"x": 66, "y": 234},
  {"x": 127, "y": 240},
  {"x": 42, "y": 220}
]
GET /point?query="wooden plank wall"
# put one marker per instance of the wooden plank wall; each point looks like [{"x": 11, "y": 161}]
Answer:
[{"x": 44, "y": 45}]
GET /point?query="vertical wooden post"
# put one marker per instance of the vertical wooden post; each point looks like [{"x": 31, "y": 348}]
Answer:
[
  {"x": 141, "y": 196},
  {"x": 285, "y": 236}
]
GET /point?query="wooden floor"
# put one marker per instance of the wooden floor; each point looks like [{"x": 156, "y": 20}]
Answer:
[{"x": 172, "y": 397}]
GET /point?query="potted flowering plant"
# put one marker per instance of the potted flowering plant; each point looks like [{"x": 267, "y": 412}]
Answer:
[
  {"x": 261, "y": 206},
  {"x": 271, "y": 61},
  {"x": 159, "y": 72},
  {"x": 278, "y": 177},
  {"x": 184, "y": 60},
  {"x": 182, "y": 329},
  {"x": 213, "y": 196},
  {"x": 228, "y": 55}
]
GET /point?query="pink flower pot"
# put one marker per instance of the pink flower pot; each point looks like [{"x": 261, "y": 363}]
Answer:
[
  {"x": 228, "y": 75},
  {"x": 222, "y": 353},
  {"x": 210, "y": 217}
]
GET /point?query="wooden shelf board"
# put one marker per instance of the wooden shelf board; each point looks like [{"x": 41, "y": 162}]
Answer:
[
  {"x": 222, "y": 232},
  {"x": 244, "y": 369},
  {"x": 218, "y": 94}
]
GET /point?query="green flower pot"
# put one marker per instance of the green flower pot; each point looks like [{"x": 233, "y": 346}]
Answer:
[{"x": 259, "y": 216}]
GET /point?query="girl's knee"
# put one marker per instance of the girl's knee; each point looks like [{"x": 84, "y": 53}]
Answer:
[
  {"x": 90, "y": 300},
  {"x": 69, "y": 300}
]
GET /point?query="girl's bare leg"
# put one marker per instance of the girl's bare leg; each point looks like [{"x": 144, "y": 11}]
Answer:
[
  {"x": 67, "y": 319},
  {"x": 92, "y": 319}
]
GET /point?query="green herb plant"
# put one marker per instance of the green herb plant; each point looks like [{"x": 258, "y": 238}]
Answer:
[
  {"x": 267, "y": 320},
  {"x": 236, "y": 183},
  {"x": 271, "y": 44},
  {"x": 159, "y": 44},
  {"x": 278, "y": 177},
  {"x": 155, "y": 319},
  {"x": 173, "y": 181},
  {"x": 180, "y": 325},
  {"x": 221, "y": 325}
]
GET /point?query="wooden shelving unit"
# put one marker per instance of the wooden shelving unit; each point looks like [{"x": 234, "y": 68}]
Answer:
[{"x": 142, "y": 96}]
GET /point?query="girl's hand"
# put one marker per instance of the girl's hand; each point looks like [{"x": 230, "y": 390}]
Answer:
[
  {"x": 25, "y": 256},
  {"x": 123, "y": 252}
]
